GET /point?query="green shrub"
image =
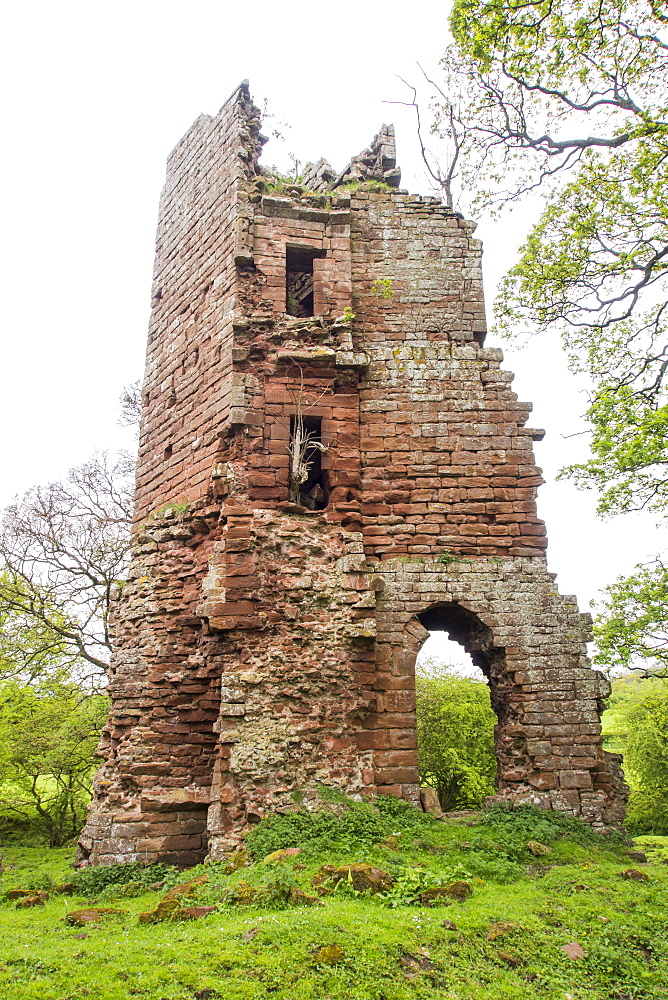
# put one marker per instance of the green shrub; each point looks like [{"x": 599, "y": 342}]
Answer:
[
  {"x": 646, "y": 757},
  {"x": 356, "y": 826},
  {"x": 93, "y": 881},
  {"x": 402, "y": 812},
  {"x": 647, "y": 813},
  {"x": 455, "y": 725},
  {"x": 45, "y": 776},
  {"x": 512, "y": 829}
]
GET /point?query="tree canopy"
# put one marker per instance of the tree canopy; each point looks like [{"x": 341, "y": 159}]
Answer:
[
  {"x": 636, "y": 723},
  {"x": 569, "y": 101},
  {"x": 48, "y": 738},
  {"x": 65, "y": 547}
]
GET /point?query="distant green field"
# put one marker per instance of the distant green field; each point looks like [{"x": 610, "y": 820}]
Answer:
[{"x": 506, "y": 943}]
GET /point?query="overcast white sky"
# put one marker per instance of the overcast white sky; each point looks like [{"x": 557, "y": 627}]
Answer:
[{"x": 95, "y": 95}]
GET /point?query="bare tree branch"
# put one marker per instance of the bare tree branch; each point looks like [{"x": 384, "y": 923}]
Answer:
[{"x": 65, "y": 547}]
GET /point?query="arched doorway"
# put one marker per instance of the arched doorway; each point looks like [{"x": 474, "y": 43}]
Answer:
[{"x": 456, "y": 723}]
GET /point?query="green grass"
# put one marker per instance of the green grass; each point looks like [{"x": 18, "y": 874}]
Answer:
[{"x": 391, "y": 951}]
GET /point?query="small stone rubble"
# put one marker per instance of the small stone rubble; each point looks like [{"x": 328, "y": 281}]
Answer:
[{"x": 265, "y": 646}]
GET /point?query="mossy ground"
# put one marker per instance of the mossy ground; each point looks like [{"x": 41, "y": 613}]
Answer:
[{"x": 391, "y": 951}]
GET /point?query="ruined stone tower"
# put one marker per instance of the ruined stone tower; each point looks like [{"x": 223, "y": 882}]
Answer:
[{"x": 331, "y": 464}]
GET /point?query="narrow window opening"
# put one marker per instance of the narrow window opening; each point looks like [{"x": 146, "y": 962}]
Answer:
[
  {"x": 308, "y": 479},
  {"x": 168, "y": 451},
  {"x": 299, "y": 280}
]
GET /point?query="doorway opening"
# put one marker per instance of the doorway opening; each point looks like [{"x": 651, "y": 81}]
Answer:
[{"x": 457, "y": 707}]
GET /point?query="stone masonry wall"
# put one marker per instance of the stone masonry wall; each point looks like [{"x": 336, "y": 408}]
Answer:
[
  {"x": 187, "y": 383},
  {"x": 264, "y": 647}
]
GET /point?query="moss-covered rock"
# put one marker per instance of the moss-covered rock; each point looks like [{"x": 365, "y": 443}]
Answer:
[
  {"x": 35, "y": 898},
  {"x": 634, "y": 875},
  {"x": 22, "y": 893},
  {"x": 236, "y": 860},
  {"x": 446, "y": 893},
  {"x": 501, "y": 928},
  {"x": 363, "y": 877},
  {"x": 192, "y": 912},
  {"x": 241, "y": 894},
  {"x": 330, "y": 954},
  {"x": 322, "y": 879},
  {"x": 90, "y": 915},
  {"x": 163, "y": 911},
  {"x": 299, "y": 898},
  {"x": 190, "y": 888},
  {"x": 277, "y": 856},
  {"x": 537, "y": 849}
]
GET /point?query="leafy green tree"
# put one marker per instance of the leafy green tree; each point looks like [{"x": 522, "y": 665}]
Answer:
[
  {"x": 48, "y": 737},
  {"x": 64, "y": 547},
  {"x": 646, "y": 761},
  {"x": 29, "y": 647},
  {"x": 632, "y": 625},
  {"x": 571, "y": 98},
  {"x": 569, "y": 101},
  {"x": 628, "y": 691},
  {"x": 455, "y": 725}
]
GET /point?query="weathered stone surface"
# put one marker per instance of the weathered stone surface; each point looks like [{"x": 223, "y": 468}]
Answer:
[
  {"x": 429, "y": 802},
  {"x": 574, "y": 950},
  {"x": 36, "y": 898},
  {"x": 265, "y": 640},
  {"x": 363, "y": 877},
  {"x": 441, "y": 893},
  {"x": 90, "y": 915}
]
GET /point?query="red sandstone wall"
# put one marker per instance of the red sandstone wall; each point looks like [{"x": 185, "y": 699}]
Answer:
[
  {"x": 187, "y": 383},
  {"x": 263, "y": 648},
  {"x": 447, "y": 463}
]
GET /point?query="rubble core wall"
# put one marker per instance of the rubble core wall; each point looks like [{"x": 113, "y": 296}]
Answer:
[
  {"x": 159, "y": 746},
  {"x": 264, "y": 648}
]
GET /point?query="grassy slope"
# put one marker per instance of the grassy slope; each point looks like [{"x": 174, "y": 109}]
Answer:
[{"x": 253, "y": 953}]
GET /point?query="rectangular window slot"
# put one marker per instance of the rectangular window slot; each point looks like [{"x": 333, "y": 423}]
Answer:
[
  {"x": 299, "y": 280},
  {"x": 308, "y": 479}
]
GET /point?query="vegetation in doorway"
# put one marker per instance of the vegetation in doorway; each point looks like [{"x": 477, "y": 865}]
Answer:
[{"x": 455, "y": 725}]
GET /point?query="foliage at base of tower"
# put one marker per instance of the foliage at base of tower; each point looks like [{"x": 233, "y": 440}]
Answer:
[
  {"x": 455, "y": 724},
  {"x": 636, "y": 724},
  {"x": 646, "y": 759},
  {"x": 48, "y": 736}
]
